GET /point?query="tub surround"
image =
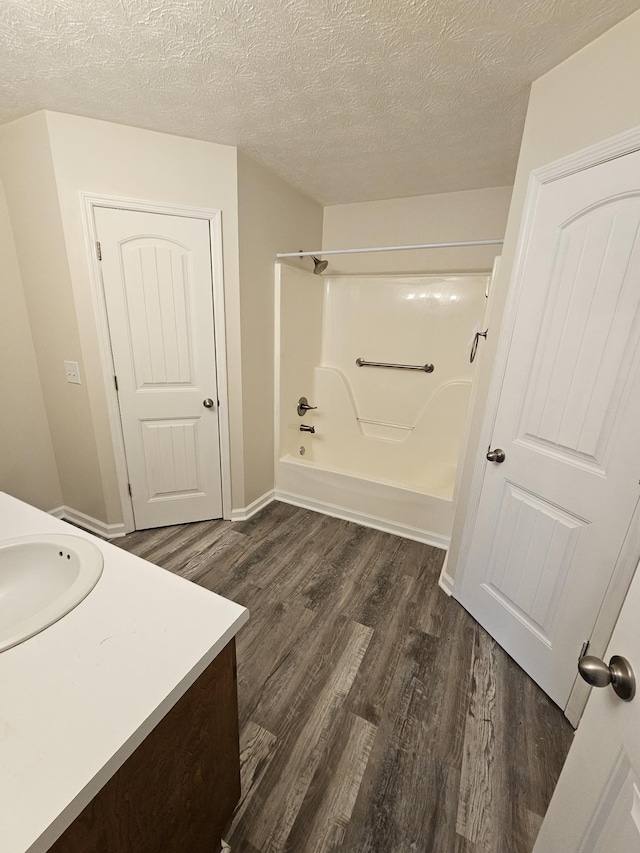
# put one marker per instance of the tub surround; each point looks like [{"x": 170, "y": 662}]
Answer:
[
  {"x": 81, "y": 696},
  {"x": 386, "y": 443}
]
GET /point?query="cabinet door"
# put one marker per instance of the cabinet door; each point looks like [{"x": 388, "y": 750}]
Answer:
[{"x": 180, "y": 787}]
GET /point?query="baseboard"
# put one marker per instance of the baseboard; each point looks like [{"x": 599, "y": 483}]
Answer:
[
  {"x": 255, "y": 506},
  {"x": 86, "y": 522},
  {"x": 445, "y": 581},
  {"x": 396, "y": 528}
]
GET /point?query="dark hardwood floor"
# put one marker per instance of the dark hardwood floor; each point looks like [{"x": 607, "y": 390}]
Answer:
[{"x": 375, "y": 713}]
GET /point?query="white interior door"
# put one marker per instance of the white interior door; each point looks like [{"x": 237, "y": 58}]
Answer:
[
  {"x": 156, "y": 273},
  {"x": 596, "y": 805},
  {"x": 553, "y": 516}
]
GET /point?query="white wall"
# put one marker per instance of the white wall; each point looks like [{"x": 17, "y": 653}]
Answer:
[
  {"x": 273, "y": 217},
  {"x": 469, "y": 215},
  {"x": 586, "y": 99},
  {"x": 112, "y": 159},
  {"x": 27, "y": 462},
  {"x": 47, "y": 160},
  {"x": 26, "y": 170}
]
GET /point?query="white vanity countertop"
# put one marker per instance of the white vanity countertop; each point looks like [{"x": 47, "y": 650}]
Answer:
[{"x": 78, "y": 698}]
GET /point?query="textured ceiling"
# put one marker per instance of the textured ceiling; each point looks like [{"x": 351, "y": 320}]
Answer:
[{"x": 350, "y": 100}]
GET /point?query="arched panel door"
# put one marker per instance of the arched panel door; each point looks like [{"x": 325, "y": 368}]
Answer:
[
  {"x": 156, "y": 273},
  {"x": 554, "y": 514}
]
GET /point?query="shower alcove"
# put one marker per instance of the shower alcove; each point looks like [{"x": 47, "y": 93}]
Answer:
[{"x": 386, "y": 443}]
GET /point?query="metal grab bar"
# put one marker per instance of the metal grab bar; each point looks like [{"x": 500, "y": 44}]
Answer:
[{"x": 425, "y": 368}]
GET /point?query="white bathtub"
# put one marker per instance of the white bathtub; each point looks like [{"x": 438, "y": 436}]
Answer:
[
  {"x": 393, "y": 477},
  {"x": 393, "y": 507}
]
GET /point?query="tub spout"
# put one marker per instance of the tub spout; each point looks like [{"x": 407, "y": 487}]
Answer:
[{"x": 307, "y": 428}]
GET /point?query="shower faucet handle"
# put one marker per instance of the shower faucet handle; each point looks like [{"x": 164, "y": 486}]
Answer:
[{"x": 303, "y": 406}]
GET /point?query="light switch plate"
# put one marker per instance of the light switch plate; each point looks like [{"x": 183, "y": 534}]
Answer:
[{"x": 72, "y": 372}]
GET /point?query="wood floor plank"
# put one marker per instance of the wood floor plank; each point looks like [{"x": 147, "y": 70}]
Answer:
[
  {"x": 306, "y": 664},
  {"x": 375, "y": 680},
  {"x": 448, "y": 684},
  {"x": 241, "y": 845},
  {"x": 256, "y": 748},
  {"x": 345, "y": 564},
  {"x": 407, "y": 808},
  {"x": 480, "y": 789},
  {"x": 376, "y": 715},
  {"x": 267, "y": 652},
  {"x": 532, "y": 823},
  {"x": 151, "y": 543},
  {"x": 326, "y": 810},
  {"x": 401, "y": 779},
  {"x": 534, "y": 742},
  {"x": 289, "y": 780},
  {"x": 463, "y": 845}
]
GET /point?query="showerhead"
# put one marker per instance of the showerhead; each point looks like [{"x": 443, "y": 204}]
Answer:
[{"x": 320, "y": 266}]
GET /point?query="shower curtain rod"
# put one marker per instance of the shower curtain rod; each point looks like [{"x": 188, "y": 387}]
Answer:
[{"x": 456, "y": 244}]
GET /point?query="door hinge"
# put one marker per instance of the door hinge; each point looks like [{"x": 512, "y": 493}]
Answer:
[
  {"x": 129, "y": 487},
  {"x": 584, "y": 649},
  {"x": 99, "y": 250},
  {"x": 115, "y": 382}
]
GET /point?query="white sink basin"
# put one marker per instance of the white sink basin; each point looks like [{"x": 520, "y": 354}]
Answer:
[{"x": 42, "y": 578}]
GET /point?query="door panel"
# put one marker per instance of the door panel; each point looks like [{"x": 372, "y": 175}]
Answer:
[
  {"x": 171, "y": 457},
  {"x": 158, "y": 297},
  {"x": 553, "y": 517},
  {"x": 588, "y": 334},
  {"x": 158, "y": 290},
  {"x": 530, "y": 558}
]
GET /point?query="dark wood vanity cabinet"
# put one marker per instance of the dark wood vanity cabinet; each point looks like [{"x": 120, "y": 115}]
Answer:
[{"x": 178, "y": 790}]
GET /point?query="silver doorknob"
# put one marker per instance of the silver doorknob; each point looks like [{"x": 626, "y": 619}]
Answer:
[
  {"x": 496, "y": 455},
  {"x": 618, "y": 674},
  {"x": 208, "y": 403}
]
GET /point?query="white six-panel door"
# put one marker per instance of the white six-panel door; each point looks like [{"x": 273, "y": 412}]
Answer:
[
  {"x": 553, "y": 516},
  {"x": 156, "y": 273}
]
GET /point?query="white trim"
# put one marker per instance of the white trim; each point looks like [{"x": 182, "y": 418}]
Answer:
[
  {"x": 106, "y": 360},
  {"x": 593, "y": 155},
  {"x": 220, "y": 341},
  {"x": 87, "y": 522},
  {"x": 445, "y": 581},
  {"x": 397, "y": 529},
  {"x": 609, "y": 149},
  {"x": 254, "y": 507},
  {"x": 277, "y": 337},
  {"x": 214, "y": 217}
]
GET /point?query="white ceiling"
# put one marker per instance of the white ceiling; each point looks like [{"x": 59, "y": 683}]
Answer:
[{"x": 350, "y": 100}]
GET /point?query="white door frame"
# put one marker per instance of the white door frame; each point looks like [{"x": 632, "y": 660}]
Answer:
[
  {"x": 609, "y": 149},
  {"x": 91, "y": 200}
]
